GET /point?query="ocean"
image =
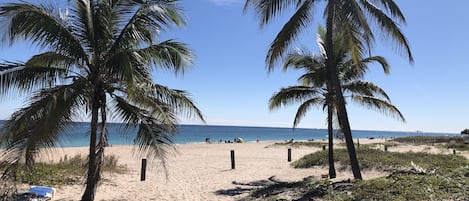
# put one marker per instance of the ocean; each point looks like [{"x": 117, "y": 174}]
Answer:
[{"x": 78, "y": 137}]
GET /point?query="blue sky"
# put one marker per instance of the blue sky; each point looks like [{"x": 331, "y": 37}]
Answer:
[{"x": 230, "y": 84}]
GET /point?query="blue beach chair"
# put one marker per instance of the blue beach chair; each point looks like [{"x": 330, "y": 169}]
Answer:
[
  {"x": 37, "y": 193},
  {"x": 43, "y": 191}
]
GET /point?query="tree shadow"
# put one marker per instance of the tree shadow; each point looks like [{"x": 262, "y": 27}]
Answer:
[
  {"x": 273, "y": 189},
  {"x": 268, "y": 188},
  {"x": 245, "y": 187}
]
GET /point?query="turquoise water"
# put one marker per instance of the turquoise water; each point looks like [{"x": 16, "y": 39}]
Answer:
[{"x": 77, "y": 135}]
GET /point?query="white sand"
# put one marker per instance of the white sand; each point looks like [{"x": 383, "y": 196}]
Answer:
[{"x": 199, "y": 172}]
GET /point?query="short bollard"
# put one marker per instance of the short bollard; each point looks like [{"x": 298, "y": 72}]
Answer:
[
  {"x": 144, "y": 167},
  {"x": 454, "y": 151},
  {"x": 358, "y": 142},
  {"x": 289, "y": 154},
  {"x": 385, "y": 147},
  {"x": 323, "y": 147},
  {"x": 232, "y": 160}
]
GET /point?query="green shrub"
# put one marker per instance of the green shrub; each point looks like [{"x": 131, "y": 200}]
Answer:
[
  {"x": 399, "y": 186},
  {"x": 429, "y": 139},
  {"x": 456, "y": 146},
  {"x": 299, "y": 144},
  {"x": 411, "y": 187},
  {"x": 67, "y": 171},
  {"x": 382, "y": 160},
  {"x": 449, "y": 181}
]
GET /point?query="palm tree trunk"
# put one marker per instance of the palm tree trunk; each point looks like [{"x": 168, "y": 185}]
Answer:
[
  {"x": 92, "y": 179},
  {"x": 102, "y": 140},
  {"x": 332, "y": 173},
  {"x": 341, "y": 110}
]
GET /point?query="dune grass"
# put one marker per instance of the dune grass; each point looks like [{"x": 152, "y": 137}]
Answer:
[
  {"x": 66, "y": 172},
  {"x": 455, "y": 146},
  {"x": 299, "y": 144},
  {"x": 381, "y": 160},
  {"x": 399, "y": 187},
  {"x": 450, "y": 186},
  {"x": 430, "y": 139},
  {"x": 459, "y": 143},
  {"x": 448, "y": 181}
]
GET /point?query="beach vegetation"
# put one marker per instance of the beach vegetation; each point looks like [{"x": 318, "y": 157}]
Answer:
[
  {"x": 286, "y": 190},
  {"x": 315, "y": 89},
  {"x": 412, "y": 176},
  {"x": 377, "y": 145},
  {"x": 374, "y": 159},
  {"x": 465, "y": 132},
  {"x": 455, "y": 146},
  {"x": 68, "y": 171},
  {"x": 429, "y": 140},
  {"x": 97, "y": 61},
  {"x": 397, "y": 186},
  {"x": 299, "y": 144},
  {"x": 354, "y": 19}
]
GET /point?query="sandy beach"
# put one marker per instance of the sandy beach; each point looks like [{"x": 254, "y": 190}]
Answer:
[{"x": 203, "y": 172}]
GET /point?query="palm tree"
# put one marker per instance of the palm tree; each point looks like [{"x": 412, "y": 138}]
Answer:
[
  {"x": 97, "y": 62},
  {"x": 352, "y": 17},
  {"x": 316, "y": 89}
]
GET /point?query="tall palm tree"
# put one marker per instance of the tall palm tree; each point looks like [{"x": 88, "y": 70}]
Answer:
[
  {"x": 316, "y": 88},
  {"x": 353, "y": 17},
  {"x": 97, "y": 62}
]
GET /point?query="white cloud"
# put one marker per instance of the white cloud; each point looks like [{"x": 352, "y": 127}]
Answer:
[{"x": 226, "y": 2}]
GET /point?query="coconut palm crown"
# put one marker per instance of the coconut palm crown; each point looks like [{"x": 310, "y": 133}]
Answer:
[
  {"x": 316, "y": 88},
  {"x": 359, "y": 20},
  {"x": 97, "y": 62},
  {"x": 314, "y": 83}
]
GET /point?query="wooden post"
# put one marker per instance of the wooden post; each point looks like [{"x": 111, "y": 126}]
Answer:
[
  {"x": 323, "y": 147},
  {"x": 144, "y": 168},
  {"x": 454, "y": 151},
  {"x": 358, "y": 142},
  {"x": 232, "y": 159},
  {"x": 385, "y": 147},
  {"x": 289, "y": 154}
]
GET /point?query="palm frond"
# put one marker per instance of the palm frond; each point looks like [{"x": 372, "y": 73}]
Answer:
[
  {"x": 51, "y": 59},
  {"x": 389, "y": 27},
  {"x": 41, "y": 25},
  {"x": 382, "y": 106},
  {"x": 83, "y": 26},
  {"x": 40, "y": 124},
  {"x": 293, "y": 94},
  {"x": 154, "y": 136},
  {"x": 150, "y": 94},
  {"x": 352, "y": 43},
  {"x": 392, "y": 8},
  {"x": 134, "y": 30},
  {"x": 315, "y": 79},
  {"x": 365, "y": 88},
  {"x": 302, "y": 59},
  {"x": 269, "y": 9},
  {"x": 168, "y": 54},
  {"x": 379, "y": 59},
  {"x": 304, "y": 108},
  {"x": 351, "y": 32},
  {"x": 289, "y": 32},
  {"x": 129, "y": 67},
  {"x": 356, "y": 20},
  {"x": 148, "y": 19},
  {"x": 27, "y": 77},
  {"x": 349, "y": 72},
  {"x": 104, "y": 21},
  {"x": 133, "y": 66}
]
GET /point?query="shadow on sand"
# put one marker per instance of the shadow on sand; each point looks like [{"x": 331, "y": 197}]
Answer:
[{"x": 271, "y": 187}]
